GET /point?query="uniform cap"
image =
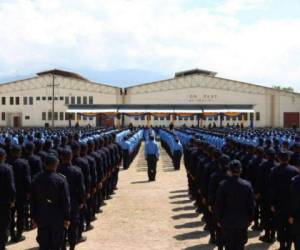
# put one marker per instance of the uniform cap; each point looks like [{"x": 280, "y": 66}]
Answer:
[
  {"x": 235, "y": 166},
  {"x": 2, "y": 152}
]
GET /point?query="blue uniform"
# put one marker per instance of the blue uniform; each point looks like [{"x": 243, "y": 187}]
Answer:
[{"x": 152, "y": 156}]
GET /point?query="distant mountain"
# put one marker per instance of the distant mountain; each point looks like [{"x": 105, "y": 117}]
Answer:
[{"x": 119, "y": 78}]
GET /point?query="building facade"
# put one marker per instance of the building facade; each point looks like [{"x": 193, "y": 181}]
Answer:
[{"x": 194, "y": 97}]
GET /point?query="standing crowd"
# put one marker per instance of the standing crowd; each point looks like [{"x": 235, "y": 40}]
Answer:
[
  {"x": 243, "y": 178},
  {"x": 55, "y": 181}
]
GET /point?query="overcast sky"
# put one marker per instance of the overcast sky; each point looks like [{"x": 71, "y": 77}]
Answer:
[{"x": 255, "y": 41}]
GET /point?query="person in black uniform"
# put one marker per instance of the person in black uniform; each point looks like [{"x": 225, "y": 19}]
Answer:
[
  {"x": 7, "y": 197},
  {"x": 294, "y": 212},
  {"x": 280, "y": 181},
  {"x": 75, "y": 180},
  {"x": 36, "y": 166},
  {"x": 90, "y": 202},
  {"x": 263, "y": 182},
  {"x": 235, "y": 205},
  {"x": 50, "y": 206},
  {"x": 215, "y": 180},
  {"x": 84, "y": 166},
  {"x": 22, "y": 177}
]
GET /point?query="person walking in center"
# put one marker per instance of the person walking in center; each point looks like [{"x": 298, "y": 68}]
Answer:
[{"x": 152, "y": 156}]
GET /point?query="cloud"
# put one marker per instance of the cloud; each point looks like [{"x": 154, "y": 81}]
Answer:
[
  {"x": 234, "y": 6},
  {"x": 156, "y": 35}
]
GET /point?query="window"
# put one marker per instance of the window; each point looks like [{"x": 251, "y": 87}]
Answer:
[
  {"x": 246, "y": 116},
  {"x": 61, "y": 116},
  {"x": 78, "y": 99},
  {"x": 67, "y": 116},
  {"x": 143, "y": 118},
  {"x": 25, "y": 100},
  {"x": 216, "y": 117},
  {"x": 257, "y": 114},
  {"x": 3, "y": 100},
  {"x": 155, "y": 118},
  {"x": 162, "y": 118},
  {"x": 179, "y": 118},
  {"x": 49, "y": 98},
  {"x": 234, "y": 118},
  {"x": 61, "y": 98},
  {"x": 91, "y": 118},
  {"x": 227, "y": 118},
  {"x": 70, "y": 116},
  {"x": 49, "y": 115},
  {"x": 44, "y": 98},
  {"x": 240, "y": 117},
  {"x": 17, "y": 100},
  {"x": 85, "y": 100},
  {"x": 3, "y": 116},
  {"x": 66, "y": 100},
  {"x": 168, "y": 118},
  {"x": 30, "y": 100},
  {"x": 192, "y": 118},
  {"x": 72, "y": 100},
  {"x": 55, "y": 116},
  {"x": 44, "y": 116},
  {"x": 11, "y": 100},
  {"x": 91, "y": 100},
  {"x": 136, "y": 118},
  {"x": 27, "y": 117},
  {"x": 185, "y": 118},
  {"x": 251, "y": 116},
  {"x": 38, "y": 98},
  {"x": 56, "y": 98}
]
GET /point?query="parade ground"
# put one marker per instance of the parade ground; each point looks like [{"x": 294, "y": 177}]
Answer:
[{"x": 148, "y": 215}]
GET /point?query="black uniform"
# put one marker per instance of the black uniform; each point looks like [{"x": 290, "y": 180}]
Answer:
[
  {"x": 280, "y": 180},
  {"x": 235, "y": 206},
  {"x": 7, "y": 197},
  {"x": 295, "y": 211},
  {"x": 22, "y": 177},
  {"x": 50, "y": 207},
  {"x": 77, "y": 195}
]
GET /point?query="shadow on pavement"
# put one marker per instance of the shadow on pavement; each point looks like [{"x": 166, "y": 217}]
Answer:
[
  {"x": 178, "y": 191},
  {"x": 190, "y": 225},
  {"x": 185, "y": 208},
  {"x": 185, "y": 216},
  {"x": 181, "y": 202},
  {"x": 178, "y": 196},
  {"x": 139, "y": 182},
  {"x": 258, "y": 246},
  {"x": 191, "y": 235}
]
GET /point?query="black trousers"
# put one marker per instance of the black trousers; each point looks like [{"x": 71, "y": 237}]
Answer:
[
  {"x": 235, "y": 239},
  {"x": 151, "y": 161},
  {"x": 17, "y": 219},
  {"x": 176, "y": 159},
  {"x": 126, "y": 159},
  {"x": 51, "y": 237},
  {"x": 284, "y": 230},
  {"x": 4, "y": 224}
]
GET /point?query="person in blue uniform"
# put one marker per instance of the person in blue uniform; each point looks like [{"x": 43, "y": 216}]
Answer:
[
  {"x": 280, "y": 181},
  {"x": 50, "y": 206},
  {"x": 125, "y": 144},
  {"x": 235, "y": 205},
  {"x": 7, "y": 197},
  {"x": 75, "y": 180},
  {"x": 152, "y": 156},
  {"x": 22, "y": 178},
  {"x": 294, "y": 211},
  {"x": 177, "y": 153}
]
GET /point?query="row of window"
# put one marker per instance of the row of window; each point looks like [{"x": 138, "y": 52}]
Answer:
[
  {"x": 67, "y": 99},
  {"x": 241, "y": 117},
  {"x": 63, "y": 116}
]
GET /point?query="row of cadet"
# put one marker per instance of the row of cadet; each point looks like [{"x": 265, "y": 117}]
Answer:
[
  {"x": 57, "y": 181},
  {"x": 131, "y": 144},
  {"x": 171, "y": 143},
  {"x": 239, "y": 184}
]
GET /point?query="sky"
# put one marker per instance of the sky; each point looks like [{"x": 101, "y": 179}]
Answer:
[{"x": 130, "y": 41}]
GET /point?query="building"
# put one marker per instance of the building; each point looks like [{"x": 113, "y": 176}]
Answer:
[{"x": 194, "y": 97}]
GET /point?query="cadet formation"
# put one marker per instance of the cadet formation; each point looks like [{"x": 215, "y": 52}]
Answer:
[
  {"x": 240, "y": 179},
  {"x": 57, "y": 181}
]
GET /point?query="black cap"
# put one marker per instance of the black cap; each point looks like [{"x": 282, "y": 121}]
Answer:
[
  {"x": 284, "y": 155},
  {"x": 224, "y": 160},
  {"x": 271, "y": 152},
  {"x": 66, "y": 153},
  {"x": 235, "y": 166},
  {"x": 75, "y": 146}
]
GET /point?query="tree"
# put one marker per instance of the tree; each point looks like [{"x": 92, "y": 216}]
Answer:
[{"x": 288, "y": 89}]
